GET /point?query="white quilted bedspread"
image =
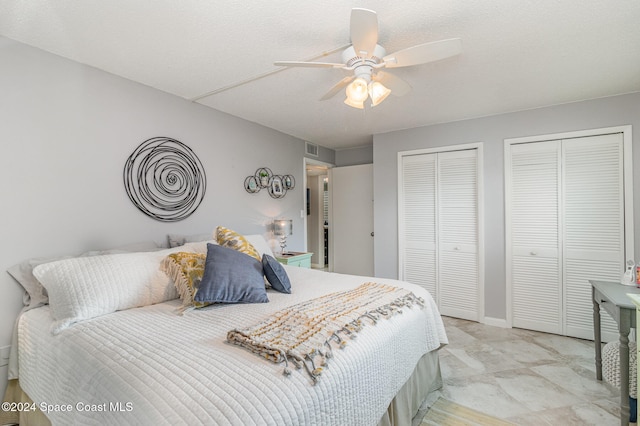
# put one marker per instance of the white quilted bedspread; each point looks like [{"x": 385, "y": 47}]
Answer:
[{"x": 161, "y": 368}]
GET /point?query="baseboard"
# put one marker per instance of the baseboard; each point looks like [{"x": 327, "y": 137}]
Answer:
[{"x": 495, "y": 322}]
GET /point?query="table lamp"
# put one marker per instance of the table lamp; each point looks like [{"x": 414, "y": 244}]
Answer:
[{"x": 283, "y": 228}]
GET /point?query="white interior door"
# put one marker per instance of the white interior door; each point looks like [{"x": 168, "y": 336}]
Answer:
[
  {"x": 566, "y": 220},
  {"x": 352, "y": 219},
  {"x": 458, "y": 266},
  {"x": 439, "y": 227},
  {"x": 533, "y": 200},
  {"x": 417, "y": 224},
  {"x": 593, "y": 226}
]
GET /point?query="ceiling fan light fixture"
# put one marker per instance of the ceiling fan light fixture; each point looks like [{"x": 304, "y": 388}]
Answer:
[
  {"x": 354, "y": 104},
  {"x": 357, "y": 91},
  {"x": 378, "y": 92}
]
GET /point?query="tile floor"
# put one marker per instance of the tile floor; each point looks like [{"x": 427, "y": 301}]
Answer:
[{"x": 525, "y": 377}]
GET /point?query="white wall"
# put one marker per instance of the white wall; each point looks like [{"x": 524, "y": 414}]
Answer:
[
  {"x": 66, "y": 131},
  {"x": 491, "y": 131}
]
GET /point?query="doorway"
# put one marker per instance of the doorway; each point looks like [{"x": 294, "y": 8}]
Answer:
[{"x": 317, "y": 222}]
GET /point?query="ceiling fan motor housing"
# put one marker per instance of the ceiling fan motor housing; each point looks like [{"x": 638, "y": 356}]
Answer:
[{"x": 362, "y": 63}]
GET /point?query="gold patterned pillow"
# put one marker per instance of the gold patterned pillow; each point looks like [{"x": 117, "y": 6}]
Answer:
[
  {"x": 186, "y": 270},
  {"x": 231, "y": 239}
]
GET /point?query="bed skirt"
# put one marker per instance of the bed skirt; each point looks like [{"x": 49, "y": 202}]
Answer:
[
  {"x": 426, "y": 378},
  {"x": 15, "y": 394},
  {"x": 400, "y": 412}
]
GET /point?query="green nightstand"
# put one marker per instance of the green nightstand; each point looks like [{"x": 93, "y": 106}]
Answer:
[{"x": 293, "y": 258}]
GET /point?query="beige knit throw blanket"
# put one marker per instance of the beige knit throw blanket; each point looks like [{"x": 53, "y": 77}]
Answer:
[{"x": 302, "y": 334}]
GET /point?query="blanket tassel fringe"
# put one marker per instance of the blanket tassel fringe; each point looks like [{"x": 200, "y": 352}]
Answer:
[{"x": 317, "y": 360}]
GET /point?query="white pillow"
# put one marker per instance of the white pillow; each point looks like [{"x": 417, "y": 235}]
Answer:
[
  {"x": 260, "y": 244},
  {"x": 198, "y": 247},
  {"x": 86, "y": 287},
  {"x": 36, "y": 295},
  {"x": 176, "y": 240}
]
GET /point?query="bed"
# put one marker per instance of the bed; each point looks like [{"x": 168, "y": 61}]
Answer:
[{"x": 152, "y": 364}]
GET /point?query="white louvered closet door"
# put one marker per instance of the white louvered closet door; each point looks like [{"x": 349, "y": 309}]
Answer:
[
  {"x": 536, "y": 281},
  {"x": 593, "y": 226},
  {"x": 565, "y": 226},
  {"x": 458, "y": 233},
  {"x": 417, "y": 225},
  {"x": 438, "y": 228}
]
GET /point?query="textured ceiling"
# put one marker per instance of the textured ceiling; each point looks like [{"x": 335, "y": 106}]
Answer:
[{"x": 516, "y": 55}]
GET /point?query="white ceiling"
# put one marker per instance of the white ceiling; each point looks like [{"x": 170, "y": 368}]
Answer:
[{"x": 516, "y": 55}]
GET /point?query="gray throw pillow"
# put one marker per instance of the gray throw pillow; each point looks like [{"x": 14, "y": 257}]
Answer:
[
  {"x": 231, "y": 276},
  {"x": 276, "y": 275}
]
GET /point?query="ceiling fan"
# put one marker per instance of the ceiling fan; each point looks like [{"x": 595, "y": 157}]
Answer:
[{"x": 365, "y": 57}]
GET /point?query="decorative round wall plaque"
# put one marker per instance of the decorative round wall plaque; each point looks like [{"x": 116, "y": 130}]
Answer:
[{"x": 165, "y": 179}]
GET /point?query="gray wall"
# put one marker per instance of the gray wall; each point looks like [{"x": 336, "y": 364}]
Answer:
[
  {"x": 326, "y": 155},
  {"x": 66, "y": 132},
  {"x": 354, "y": 156},
  {"x": 491, "y": 131}
]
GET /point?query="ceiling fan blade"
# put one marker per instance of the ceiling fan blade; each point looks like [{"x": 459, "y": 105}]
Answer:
[
  {"x": 335, "y": 89},
  {"x": 308, "y": 64},
  {"x": 364, "y": 31},
  {"x": 423, "y": 53},
  {"x": 398, "y": 86}
]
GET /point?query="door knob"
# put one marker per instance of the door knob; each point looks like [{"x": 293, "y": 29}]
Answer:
[{"x": 372, "y": 234}]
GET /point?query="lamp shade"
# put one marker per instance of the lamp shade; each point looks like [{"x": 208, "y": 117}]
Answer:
[
  {"x": 283, "y": 227},
  {"x": 378, "y": 92},
  {"x": 352, "y": 103},
  {"x": 357, "y": 90}
]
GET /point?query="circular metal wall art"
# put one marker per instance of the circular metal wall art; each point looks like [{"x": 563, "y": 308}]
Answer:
[
  {"x": 276, "y": 185},
  {"x": 165, "y": 179}
]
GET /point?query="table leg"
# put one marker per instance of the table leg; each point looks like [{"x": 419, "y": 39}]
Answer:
[
  {"x": 597, "y": 340},
  {"x": 624, "y": 377}
]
